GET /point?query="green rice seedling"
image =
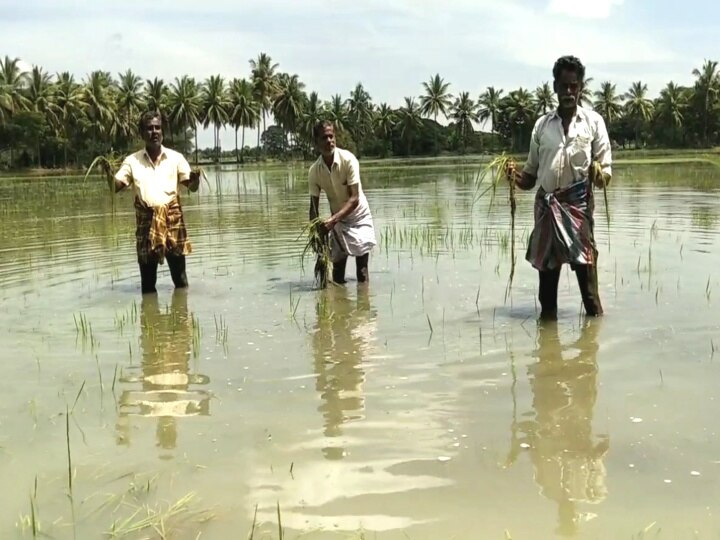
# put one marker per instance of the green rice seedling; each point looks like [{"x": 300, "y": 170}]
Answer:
[
  {"x": 108, "y": 164},
  {"x": 317, "y": 242},
  {"x": 69, "y": 455},
  {"x": 280, "y": 528},
  {"x": 597, "y": 172},
  {"x": 497, "y": 170},
  {"x": 294, "y": 303}
]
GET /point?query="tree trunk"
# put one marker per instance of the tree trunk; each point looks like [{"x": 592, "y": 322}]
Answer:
[
  {"x": 196, "y": 146},
  {"x": 237, "y": 154},
  {"x": 242, "y": 150}
]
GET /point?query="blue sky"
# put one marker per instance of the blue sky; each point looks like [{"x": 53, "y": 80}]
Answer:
[{"x": 389, "y": 45}]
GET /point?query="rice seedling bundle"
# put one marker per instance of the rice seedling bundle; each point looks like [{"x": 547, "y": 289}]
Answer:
[
  {"x": 317, "y": 242},
  {"x": 497, "y": 170}
]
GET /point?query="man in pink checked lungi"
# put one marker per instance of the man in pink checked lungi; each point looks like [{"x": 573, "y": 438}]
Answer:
[{"x": 563, "y": 145}]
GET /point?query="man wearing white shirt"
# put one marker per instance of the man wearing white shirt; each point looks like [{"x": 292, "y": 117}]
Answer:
[
  {"x": 154, "y": 174},
  {"x": 350, "y": 226},
  {"x": 563, "y": 145}
]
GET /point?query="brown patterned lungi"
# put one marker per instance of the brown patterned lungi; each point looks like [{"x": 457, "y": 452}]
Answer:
[{"x": 160, "y": 230}]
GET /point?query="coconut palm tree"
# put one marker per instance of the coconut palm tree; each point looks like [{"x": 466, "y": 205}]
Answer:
[
  {"x": 264, "y": 84},
  {"x": 436, "y": 100},
  {"x": 129, "y": 100},
  {"x": 384, "y": 120},
  {"x": 521, "y": 114},
  {"x": 289, "y": 101},
  {"x": 360, "y": 110},
  {"x": 245, "y": 111},
  {"x": 544, "y": 99},
  {"x": 337, "y": 113},
  {"x": 638, "y": 107},
  {"x": 586, "y": 93},
  {"x": 41, "y": 99},
  {"x": 409, "y": 121},
  {"x": 670, "y": 109},
  {"x": 608, "y": 103},
  {"x": 69, "y": 106},
  {"x": 464, "y": 112},
  {"x": 13, "y": 83},
  {"x": 185, "y": 107},
  {"x": 489, "y": 106},
  {"x": 313, "y": 113},
  {"x": 707, "y": 94},
  {"x": 155, "y": 95},
  {"x": 216, "y": 105},
  {"x": 97, "y": 94}
]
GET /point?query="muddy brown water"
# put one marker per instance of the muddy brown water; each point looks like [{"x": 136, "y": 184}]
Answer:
[{"x": 424, "y": 405}]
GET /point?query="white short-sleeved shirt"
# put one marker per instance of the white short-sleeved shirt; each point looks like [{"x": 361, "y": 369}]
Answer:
[
  {"x": 336, "y": 181},
  {"x": 558, "y": 160},
  {"x": 155, "y": 184}
]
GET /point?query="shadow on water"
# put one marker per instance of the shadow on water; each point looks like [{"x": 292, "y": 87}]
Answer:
[
  {"x": 566, "y": 457},
  {"x": 341, "y": 338},
  {"x": 163, "y": 387}
]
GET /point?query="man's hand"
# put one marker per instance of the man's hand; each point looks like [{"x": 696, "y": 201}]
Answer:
[
  {"x": 602, "y": 180},
  {"x": 329, "y": 224},
  {"x": 598, "y": 177},
  {"x": 193, "y": 183},
  {"x": 512, "y": 174}
]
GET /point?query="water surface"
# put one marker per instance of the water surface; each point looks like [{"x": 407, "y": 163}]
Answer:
[{"x": 424, "y": 405}]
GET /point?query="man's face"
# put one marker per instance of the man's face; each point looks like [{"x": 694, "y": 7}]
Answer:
[
  {"x": 326, "y": 141},
  {"x": 568, "y": 89},
  {"x": 152, "y": 133}
]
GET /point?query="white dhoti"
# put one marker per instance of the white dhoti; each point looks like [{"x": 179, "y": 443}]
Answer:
[{"x": 354, "y": 236}]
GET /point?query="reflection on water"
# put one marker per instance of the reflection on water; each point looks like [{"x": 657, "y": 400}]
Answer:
[
  {"x": 342, "y": 336},
  {"x": 166, "y": 385},
  {"x": 568, "y": 462}
]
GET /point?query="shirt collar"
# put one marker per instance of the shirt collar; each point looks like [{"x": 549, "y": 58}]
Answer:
[
  {"x": 579, "y": 113},
  {"x": 336, "y": 158},
  {"x": 163, "y": 154}
]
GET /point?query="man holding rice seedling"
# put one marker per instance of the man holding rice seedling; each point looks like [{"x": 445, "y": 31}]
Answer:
[
  {"x": 569, "y": 153},
  {"x": 154, "y": 173},
  {"x": 349, "y": 228}
]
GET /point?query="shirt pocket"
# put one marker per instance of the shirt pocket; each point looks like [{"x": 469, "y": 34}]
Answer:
[{"x": 580, "y": 150}]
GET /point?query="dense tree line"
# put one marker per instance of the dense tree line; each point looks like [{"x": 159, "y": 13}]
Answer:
[{"x": 55, "y": 120}]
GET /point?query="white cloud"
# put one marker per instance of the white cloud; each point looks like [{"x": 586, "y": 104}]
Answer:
[{"x": 584, "y": 9}]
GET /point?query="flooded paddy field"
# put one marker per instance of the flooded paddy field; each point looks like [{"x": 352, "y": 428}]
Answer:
[{"x": 425, "y": 405}]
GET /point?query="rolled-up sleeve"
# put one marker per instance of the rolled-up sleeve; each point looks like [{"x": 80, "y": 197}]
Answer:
[
  {"x": 601, "y": 148},
  {"x": 183, "y": 169},
  {"x": 533, "y": 160},
  {"x": 353, "y": 172},
  {"x": 313, "y": 186},
  {"x": 124, "y": 173}
]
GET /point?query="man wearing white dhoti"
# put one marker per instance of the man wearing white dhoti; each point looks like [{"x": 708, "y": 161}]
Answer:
[{"x": 350, "y": 226}]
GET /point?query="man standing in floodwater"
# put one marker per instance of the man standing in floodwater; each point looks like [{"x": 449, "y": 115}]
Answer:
[
  {"x": 350, "y": 226},
  {"x": 563, "y": 146},
  {"x": 154, "y": 173}
]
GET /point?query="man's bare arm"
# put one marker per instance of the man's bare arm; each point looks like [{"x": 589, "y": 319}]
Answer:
[
  {"x": 314, "y": 207},
  {"x": 346, "y": 209}
]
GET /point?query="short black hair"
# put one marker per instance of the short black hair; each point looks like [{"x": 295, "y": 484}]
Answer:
[
  {"x": 147, "y": 117},
  {"x": 569, "y": 63},
  {"x": 320, "y": 126}
]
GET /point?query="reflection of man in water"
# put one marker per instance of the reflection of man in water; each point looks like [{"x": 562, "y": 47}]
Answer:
[
  {"x": 568, "y": 463},
  {"x": 343, "y": 331},
  {"x": 166, "y": 341}
]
